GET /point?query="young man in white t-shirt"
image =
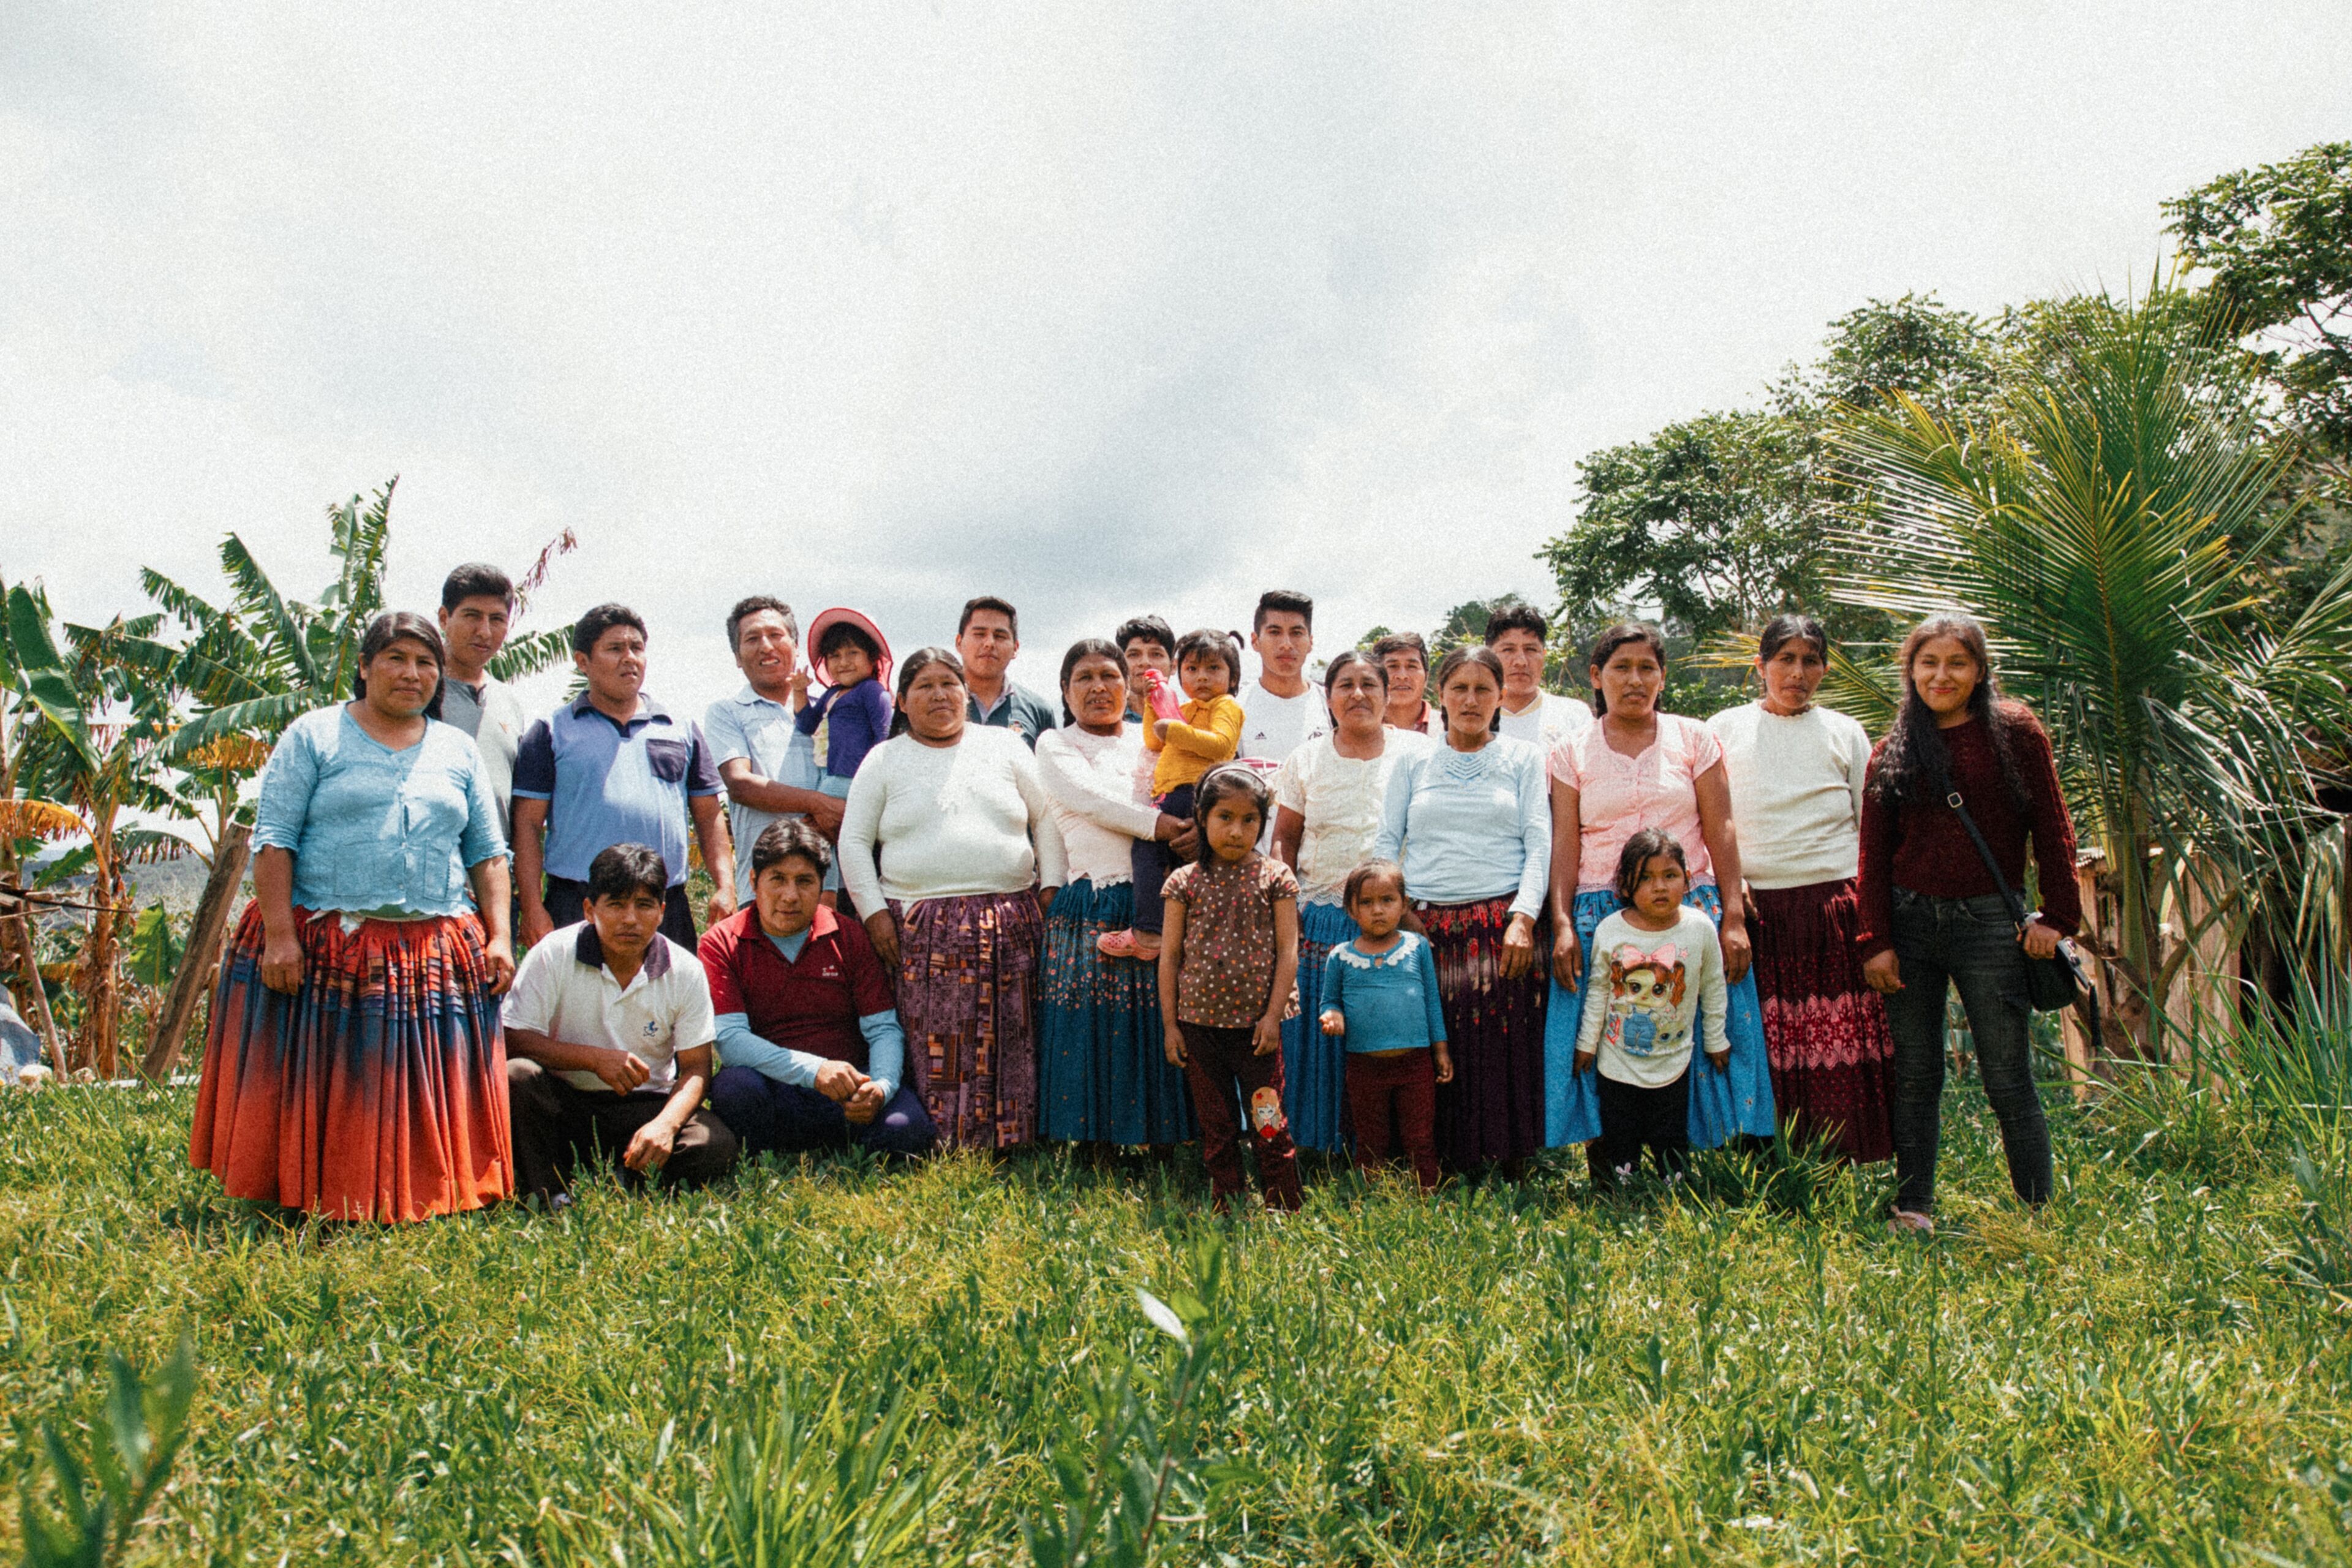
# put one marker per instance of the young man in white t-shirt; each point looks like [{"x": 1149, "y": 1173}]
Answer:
[
  {"x": 1521, "y": 639},
  {"x": 609, "y": 1043},
  {"x": 1281, "y": 709}
]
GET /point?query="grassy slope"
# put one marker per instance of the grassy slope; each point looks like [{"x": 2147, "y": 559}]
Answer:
[{"x": 1500, "y": 1375}]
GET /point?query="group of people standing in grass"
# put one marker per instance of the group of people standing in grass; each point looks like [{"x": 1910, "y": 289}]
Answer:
[{"x": 1446, "y": 916}]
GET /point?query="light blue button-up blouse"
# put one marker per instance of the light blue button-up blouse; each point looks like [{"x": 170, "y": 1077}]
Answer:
[{"x": 371, "y": 829}]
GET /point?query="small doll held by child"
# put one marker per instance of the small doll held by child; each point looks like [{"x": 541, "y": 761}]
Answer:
[
  {"x": 1228, "y": 977},
  {"x": 1656, "y": 984},
  {"x": 1207, "y": 731},
  {"x": 1380, "y": 993},
  {"x": 854, "y": 710}
]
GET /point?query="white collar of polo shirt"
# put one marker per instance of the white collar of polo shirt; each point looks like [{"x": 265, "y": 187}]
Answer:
[{"x": 590, "y": 951}]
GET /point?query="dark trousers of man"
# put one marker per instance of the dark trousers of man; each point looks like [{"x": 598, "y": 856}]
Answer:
[
  {"x": 1633, "y": 1119},
  {"x": 1393, "y": 1109},
  {"x": 1969, "y": 943},
  {"x": 567, "y": 904},
  {"x": 1225, "y": 1073},
  {"x": 785, "y": 1119},
  {"x": 1151, "y": 862},
  {"x": 556, "y": 1124}
]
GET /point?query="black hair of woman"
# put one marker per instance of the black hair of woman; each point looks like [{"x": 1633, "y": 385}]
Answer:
[
  {"x": 1479, "y": 655},
  {"x": 1084, "y": 647},
  {"x": 917, "y": 662},
  {"x": 1915, "y": 759},
  {"x": 403, "y": 626},
  {"x": 1606, "y": 645}
]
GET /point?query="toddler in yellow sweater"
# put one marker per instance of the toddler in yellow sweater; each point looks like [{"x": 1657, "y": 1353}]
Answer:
[{"x": 1206, "y": 730}]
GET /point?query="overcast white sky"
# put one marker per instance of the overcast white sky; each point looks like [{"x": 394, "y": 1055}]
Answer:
[{"x": 1098, "y": 306}]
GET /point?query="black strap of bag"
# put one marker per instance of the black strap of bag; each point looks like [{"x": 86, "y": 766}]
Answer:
[{"x": 2052, "y": 983}]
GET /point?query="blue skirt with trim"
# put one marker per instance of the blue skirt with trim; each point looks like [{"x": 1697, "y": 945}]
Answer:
[
  {"x": 1314, "y": 1064},
  {"x": 1102, "y": 1073}
]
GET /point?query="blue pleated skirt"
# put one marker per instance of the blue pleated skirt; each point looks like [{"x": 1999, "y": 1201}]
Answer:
[
  {"x": 1314, "y": 1064},
  {"x": 1723, "y": 1106},
  {"x": 1102, "y": 1074}
]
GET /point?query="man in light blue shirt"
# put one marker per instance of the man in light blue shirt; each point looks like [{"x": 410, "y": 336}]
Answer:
[{"x": 768, "y": 766}]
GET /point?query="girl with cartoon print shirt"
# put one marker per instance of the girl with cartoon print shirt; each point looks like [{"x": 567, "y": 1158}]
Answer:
[{"x": 1658, "y": 968}]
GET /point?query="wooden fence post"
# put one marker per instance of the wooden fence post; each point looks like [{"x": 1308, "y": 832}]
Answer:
[
  {"x": 202, "y": 954},
  {"x": 20, "y": 927}
]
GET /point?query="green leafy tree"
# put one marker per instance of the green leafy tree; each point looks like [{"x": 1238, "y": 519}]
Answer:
[
  {"x": 2277, "y": 242},
  {"x": 1714, "y": 525},
  {"x": 2116, "y": 529}
]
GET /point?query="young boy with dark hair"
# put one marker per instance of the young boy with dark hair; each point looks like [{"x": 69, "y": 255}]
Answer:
[{"x": 609, "y": 1034}]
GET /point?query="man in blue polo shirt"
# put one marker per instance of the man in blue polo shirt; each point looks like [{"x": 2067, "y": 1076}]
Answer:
[
  {"x": 987, "y": 639},
  {"x": 612, "y": 767}
]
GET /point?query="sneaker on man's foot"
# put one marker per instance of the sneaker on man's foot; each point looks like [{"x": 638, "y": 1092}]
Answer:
[{"x": 1912, "y": 1220}]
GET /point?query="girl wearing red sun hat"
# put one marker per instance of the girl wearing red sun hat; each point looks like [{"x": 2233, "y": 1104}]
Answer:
[{"x": 855, "y": 711}]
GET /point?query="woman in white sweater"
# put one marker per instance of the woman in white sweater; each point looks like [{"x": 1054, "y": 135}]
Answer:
[
  {"x": 1103, "y": 1075},
  {"x": 1796, "y": 771},
  {"x": 950, "y": 852}
]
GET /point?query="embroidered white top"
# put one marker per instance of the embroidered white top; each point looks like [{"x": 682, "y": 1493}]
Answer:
[
  {"x": 1340, "y": 799},
  {"x": 1090, "y": 779}
]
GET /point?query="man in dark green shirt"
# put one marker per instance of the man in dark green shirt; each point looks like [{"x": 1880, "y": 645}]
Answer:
[{"x": 987, "y": 639}]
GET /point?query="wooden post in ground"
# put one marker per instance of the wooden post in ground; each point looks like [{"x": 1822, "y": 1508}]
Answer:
[
  {"x": 202, "y": 953},
  {"x": 20, "y": 927},
  {"x": 2081, "y": 1049}
]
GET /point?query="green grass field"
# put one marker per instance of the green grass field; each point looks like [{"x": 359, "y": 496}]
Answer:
[{"x": 2153, "y": 1371}]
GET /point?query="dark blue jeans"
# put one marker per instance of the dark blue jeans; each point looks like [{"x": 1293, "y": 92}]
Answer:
[
  {"x": 1969, "y": 943},
  {"x": 786, "y": 1119}
]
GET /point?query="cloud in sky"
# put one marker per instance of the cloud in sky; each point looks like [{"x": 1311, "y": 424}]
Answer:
[{"x": 1101, "y": 308}]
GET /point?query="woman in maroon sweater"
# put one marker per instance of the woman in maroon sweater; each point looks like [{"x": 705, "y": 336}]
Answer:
[{"x": 1932, "y": 917}]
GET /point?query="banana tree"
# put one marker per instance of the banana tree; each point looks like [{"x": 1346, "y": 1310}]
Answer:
[
  {"x": 35, "y": 697},
  {"x": 252, "y": 667},
  {"x": 2113, "y": 524}
]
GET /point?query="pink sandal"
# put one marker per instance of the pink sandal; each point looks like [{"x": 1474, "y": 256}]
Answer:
[{"x": 1123, "y": 944}]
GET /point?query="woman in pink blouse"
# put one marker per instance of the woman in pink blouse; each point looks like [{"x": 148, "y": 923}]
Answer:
[{"x": 1639, "y": 768}]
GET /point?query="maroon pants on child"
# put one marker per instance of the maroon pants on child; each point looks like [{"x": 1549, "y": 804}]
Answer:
[
  {"x": 1394, "y": 1090},
  {"x": 1226, "y": 1073}
]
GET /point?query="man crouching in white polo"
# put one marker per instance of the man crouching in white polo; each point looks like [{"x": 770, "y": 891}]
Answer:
[{"x": 609, "y": 1035}]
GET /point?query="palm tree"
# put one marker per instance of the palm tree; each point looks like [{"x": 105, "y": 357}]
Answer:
[{"x": 2114, "y": 522}]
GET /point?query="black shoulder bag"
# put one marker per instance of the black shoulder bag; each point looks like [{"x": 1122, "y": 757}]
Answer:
[{"x": 2052, "y": 984}]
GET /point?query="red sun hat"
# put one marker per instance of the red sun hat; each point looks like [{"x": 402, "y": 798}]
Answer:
[{"x": 840, "y": 615}]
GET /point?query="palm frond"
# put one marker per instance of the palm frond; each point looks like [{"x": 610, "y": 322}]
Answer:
[
  {"x": 530, "y": 654},
  {"x": 258, "y": 597},
  {"x": 266, "y": 715}
]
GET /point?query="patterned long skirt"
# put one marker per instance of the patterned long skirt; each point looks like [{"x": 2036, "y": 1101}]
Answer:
[
  {"x": 378, "y": 1092},
  {"x": 1832, "y": 1059},
  {"x": 967, "y": 999},
  {"x": 1314, "y": 1064},
  {"x": 1722, "y": 1105},
  {"x": 1494, "y": 1109},
  {"x": 1102, "y": 1071}
]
